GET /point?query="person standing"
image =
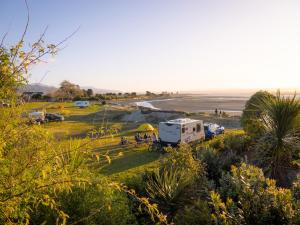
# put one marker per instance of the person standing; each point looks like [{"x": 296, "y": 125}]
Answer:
[{"x": 216, "y": 111}]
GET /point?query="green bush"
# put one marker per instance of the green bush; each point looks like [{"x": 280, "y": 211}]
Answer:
[
  {"x": 250, "y": 119},
  {"x": 89, "y": 205},
  {"x": 183, "y": 159},
  {"x": 166, "y": 184},
  {"x": 210, "y": 157},
  {"x": 218, "y": 143},
  {"x": 217, "y": 161},
  {"x": 180, "y": 178},
  {"x": 236, "y": 141},
  {"x": 198, "y": 213},
  {"x": 256, "y": 199}
]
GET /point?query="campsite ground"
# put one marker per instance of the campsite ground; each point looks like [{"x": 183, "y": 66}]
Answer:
[{"x": 82, "y": 124}]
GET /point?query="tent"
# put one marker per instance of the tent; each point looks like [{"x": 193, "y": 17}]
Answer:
[{"x": 145, "y": 127}]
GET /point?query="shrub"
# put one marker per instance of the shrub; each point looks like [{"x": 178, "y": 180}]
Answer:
[
  {"x": 250, "y": 118},
  {"x": 90, "y": 205},
  {"x": 180, "y": 178},
  {"x": 218, "y": 142},
  {"x": 182, "y": 159},
  {"x": 224, "y": 213},
  {"x": 216, "y": 162},
  {"x": 166, "y": 184},
  {"x": 236, "y": 141},
  {"x": 197, "y": 213},
  {"x": 210, "y": 157},
  {"x": 258, "y": 199}
]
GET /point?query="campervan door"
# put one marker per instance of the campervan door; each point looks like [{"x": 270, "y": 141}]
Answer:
[{"x": 169, "y": 132}]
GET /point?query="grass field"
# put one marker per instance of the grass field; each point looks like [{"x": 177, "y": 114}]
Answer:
[{"x": 127, "y": 161}]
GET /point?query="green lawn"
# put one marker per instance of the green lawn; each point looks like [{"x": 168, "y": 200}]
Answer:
[{"x": 127, "y": 161}]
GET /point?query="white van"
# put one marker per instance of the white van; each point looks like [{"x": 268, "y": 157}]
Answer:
[
  {"x": 181, "y": 130},
  {"x": 82, "y": 104},
  {"x": 37, "y": 117}
]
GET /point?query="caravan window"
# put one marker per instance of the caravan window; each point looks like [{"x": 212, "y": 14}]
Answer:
[
  {"x": 198, "y": 127},
  {"x": 182, "y": 130}
]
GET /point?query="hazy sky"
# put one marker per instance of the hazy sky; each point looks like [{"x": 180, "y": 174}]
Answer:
[{"x": 157, "y": 45}]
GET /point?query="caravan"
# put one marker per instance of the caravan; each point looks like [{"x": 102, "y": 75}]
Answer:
[{"x": 181, "y": 130}]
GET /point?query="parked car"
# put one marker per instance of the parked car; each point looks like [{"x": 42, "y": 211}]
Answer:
[
  {"x": 54, "y": 117},
  {"x": 212, "y": 129}
]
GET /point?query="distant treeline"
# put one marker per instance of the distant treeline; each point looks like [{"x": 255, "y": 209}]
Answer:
[{"x": 72, "y": 92}]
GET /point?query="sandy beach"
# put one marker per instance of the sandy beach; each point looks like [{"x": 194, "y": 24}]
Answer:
[{"x": 199, "y": 103}]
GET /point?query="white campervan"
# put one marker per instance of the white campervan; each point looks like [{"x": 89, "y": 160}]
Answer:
[
  {"x": 82, "y": 104},
  {"x": 181, "y": 130}
]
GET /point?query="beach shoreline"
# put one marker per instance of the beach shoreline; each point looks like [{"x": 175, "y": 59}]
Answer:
[{"x": 196, "y": 104}]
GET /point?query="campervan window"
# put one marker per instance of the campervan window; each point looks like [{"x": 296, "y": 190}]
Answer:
[
  {"x": 182, "y": 130},
  {"x": 198, "y": 127}
]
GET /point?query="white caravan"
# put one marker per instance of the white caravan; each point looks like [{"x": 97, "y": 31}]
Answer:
[
  {"x": 82, "y": 104},
  {"x": 181, "y": 130}
]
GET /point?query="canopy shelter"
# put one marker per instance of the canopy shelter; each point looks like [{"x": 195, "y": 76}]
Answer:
[{"x": 145, "y": 127}]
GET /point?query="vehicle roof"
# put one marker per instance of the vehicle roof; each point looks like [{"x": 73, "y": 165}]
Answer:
[
  {"x": 36, "y": 113},
  {"x": 182, "y": 121}
]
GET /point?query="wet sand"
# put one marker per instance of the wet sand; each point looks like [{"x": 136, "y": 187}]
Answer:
[{"x": 203, "y": 103}]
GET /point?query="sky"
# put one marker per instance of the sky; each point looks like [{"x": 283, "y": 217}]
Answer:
[{"x": 164, "y": 45}]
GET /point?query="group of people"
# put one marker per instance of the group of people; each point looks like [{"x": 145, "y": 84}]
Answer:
[
  {"x": 139, "y": 138},
  {"x": 145, "y": 138},
  {"x": 218, "y": 112}
]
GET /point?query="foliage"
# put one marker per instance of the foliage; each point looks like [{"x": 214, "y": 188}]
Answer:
[
  {"x": 236, "y": 141},
  {"x": 217, "y": 161},
  {"x": 280, "y": 119},
  {"x": 92, "y": 204},
  {"x": 34, "y": 165},
  {"x": 180, "y": 178},
  {"x": 224, "y": 213},
  {"x": 250, "y": 119},
  {"x": 210, "y": 157},
  {"x": 15, "y": 62},
  {"x": 252, "y": 199},
  {"x": 182, "y": 158},
  {"x": 68, "y": 91},
  {"x": 166, "y": 184},
  {"x": 37, "y": 172},
  {"x": 89, "y": 92},
  {"x": 198, "y": 213}
]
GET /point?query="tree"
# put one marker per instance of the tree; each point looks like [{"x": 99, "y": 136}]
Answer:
[
  {"x": 37, "y": 96},
  {"x": 68, "y": 91},
  {"x": 90, "y": 92},
  {"x": 280, "y": 120}
]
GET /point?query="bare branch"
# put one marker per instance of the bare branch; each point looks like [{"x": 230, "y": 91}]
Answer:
[
  {"x": 3, "y": 39},
  {"x": 19, "y": 68},
  {"x": 24, "y": 32}
]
